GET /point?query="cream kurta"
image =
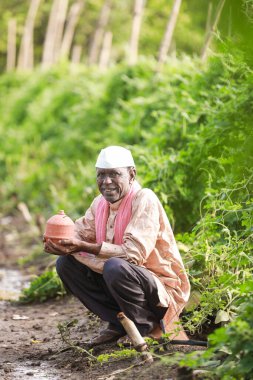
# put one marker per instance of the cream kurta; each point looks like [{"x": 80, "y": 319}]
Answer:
[{"x": 148, "y": 241}]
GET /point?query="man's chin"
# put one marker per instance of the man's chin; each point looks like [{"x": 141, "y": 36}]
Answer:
[{"x": 111, "y": 199}]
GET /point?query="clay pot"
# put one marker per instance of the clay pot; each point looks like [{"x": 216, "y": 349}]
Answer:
[{"x": 59, "y": 226}]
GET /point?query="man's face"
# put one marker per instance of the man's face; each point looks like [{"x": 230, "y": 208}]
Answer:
[{"x": 114, "y": 184}]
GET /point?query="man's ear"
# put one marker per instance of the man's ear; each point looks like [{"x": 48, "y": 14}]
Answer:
[{"x": 132, "y": 173}]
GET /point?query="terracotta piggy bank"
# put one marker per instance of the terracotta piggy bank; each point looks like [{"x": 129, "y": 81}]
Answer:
[{"x": 58, "y": 227}]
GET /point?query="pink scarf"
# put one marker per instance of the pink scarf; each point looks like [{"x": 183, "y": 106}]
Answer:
[{"x": 122, "y": 219}]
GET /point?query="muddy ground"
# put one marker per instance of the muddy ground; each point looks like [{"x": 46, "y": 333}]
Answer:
[{"x": 30, "y": 341}]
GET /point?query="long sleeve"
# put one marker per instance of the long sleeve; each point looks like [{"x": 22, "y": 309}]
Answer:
[{"x": 85, "y": 226}]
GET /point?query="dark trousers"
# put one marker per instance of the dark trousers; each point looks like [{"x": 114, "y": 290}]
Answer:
[{"x": 122, "y": 287}]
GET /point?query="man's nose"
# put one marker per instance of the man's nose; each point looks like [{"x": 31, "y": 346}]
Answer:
[{"x": 107, "y": 179}]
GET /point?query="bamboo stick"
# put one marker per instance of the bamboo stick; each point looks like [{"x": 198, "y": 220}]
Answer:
[
  {"x": 105, "y": 51},
  {"x": 68, "y": 36},
  {"x": 25, "y": 58},
  {"x": 136, "y": 338},
  {"x": 54, "y": 33},
  {"x": 166, "y": 42},
  {"x": 136, "y": 27},
  {"x": 210, "y": 34},
  {"x": 76, "y": 54},
  {"x": 99, "y": 32},
  {"x": 62, "y": 13},
  {"x": 11, "y": 45},
  {"x": 48, "y": 48}
]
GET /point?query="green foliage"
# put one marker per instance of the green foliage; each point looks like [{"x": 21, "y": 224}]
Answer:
[
  {"x": 189, "y": 128},
  {"x": 117, "y": 355},
  {"x": 229, "y": 356},
  {"x": 220, "y": 253},
  {"x": 42, "y": 288},
  {"x": 65, "y": 331}
]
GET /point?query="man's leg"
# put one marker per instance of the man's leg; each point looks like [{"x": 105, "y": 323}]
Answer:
[
  {"x": 90, "y": 288},
  {"x": 135, "y": 291}
]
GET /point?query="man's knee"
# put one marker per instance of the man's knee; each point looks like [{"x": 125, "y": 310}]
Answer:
[
  {"x": 62, "y": 264},
  {"x": 114, "y": 270}
]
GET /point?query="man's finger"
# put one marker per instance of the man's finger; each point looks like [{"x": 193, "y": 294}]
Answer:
[
  {"x": 54, "y": 247},
  {"x": 66, "y": 242}
]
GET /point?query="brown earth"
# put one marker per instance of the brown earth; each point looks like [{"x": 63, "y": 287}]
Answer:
[{"x": 30, "y": 342}]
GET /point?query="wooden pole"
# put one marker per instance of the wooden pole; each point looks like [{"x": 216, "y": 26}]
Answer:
[
  {"x": 48, "y": 48},
  {"x": 135, "y": 337},
  {"x": 62, "y": 13},
  {"x": 11, "y": 45},
  {"x": 99, "y": 32},
  {"x": 25, "y": 58},
  {"x": 105, "y": 51},
  {"x": 166, "y": 42},
  {"x": 136, "y": 27},
  {"x": 76, "y": 54},
  {"x": 68, "y": 36},
  {"x": 52, "y": 44},
  {"x": 210, "y": 34}
]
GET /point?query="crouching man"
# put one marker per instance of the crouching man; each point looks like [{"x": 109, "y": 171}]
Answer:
[{"x": 124, "y": 256}]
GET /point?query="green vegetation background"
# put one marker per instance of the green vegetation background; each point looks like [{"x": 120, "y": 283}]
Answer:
[{"x": 190, "y": 130}]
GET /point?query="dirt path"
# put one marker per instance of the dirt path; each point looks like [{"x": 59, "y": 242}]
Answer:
[
  {"x": 30, "y": 341},
  {"x": 32, "y": 347},
  {"x": 28, "y": 346}
]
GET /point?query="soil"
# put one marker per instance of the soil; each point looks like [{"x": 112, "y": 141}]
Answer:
[{"x": 31, "y": 345}]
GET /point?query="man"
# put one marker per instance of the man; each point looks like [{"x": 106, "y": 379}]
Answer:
[{"x": 124, "y": 256}]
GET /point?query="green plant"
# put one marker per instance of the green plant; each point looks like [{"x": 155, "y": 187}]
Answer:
[
  {"x": 229, "y": 356},
  {"x": 43, "y": 287}
]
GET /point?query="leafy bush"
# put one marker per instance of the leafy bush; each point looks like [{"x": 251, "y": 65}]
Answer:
[
  {"x": 230, "y": 351},
  {"x": 46, "y": 286}
]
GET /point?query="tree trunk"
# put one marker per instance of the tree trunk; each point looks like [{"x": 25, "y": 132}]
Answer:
[
  {"x": 62, "y": 13},
  {"x": 136, "y": 27},
  {"x": 67, "y": 40},
  {"x": 99, "y": 32},
  {"x": 25, "y": 58},
  {"x": 54, "y": 33},
  {"x": 105, "y": 51},
  {"x": 166, "y": 42},
  {"x": 76, "y": 54},
  {"x": 211, "y": 31},
  {"x": 48, "y": 49},
  {"x": 11, "y": 45}
]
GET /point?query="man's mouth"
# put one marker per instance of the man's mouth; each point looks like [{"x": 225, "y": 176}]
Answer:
[{"x": 109, "y": 191}]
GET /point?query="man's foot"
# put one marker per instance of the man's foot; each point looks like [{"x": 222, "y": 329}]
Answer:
[{"x": 107, "y": 335}]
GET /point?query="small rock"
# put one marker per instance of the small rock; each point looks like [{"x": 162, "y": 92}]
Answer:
[
  {"x": 7, "y": 369},
  {"x": 37, "y": 327}
]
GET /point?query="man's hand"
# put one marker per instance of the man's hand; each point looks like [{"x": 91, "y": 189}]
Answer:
[
  {"x": 63, "y": 247},
  {"x": 69, "y": 246}
]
